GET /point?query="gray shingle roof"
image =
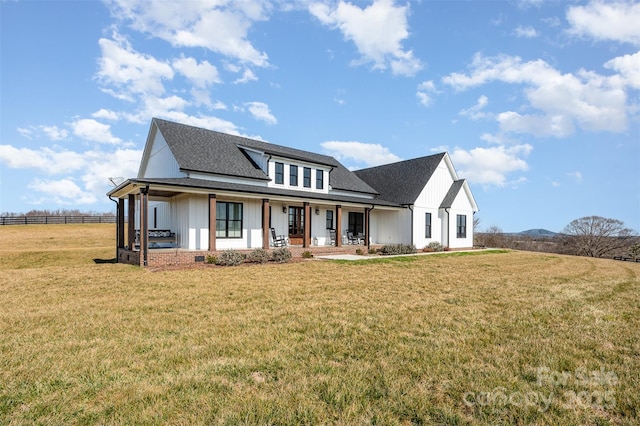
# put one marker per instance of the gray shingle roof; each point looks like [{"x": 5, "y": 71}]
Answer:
[
  {"x": 201, "y": 150},
  {"x": 452, "y": 194},
  {"x": 207, "y": 151},
  {"x": 401, "y": 182}
]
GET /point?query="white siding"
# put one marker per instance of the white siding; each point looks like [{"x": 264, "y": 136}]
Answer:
[
  {"x": 319, "y": 232},
  {"x": 192, "y": 221},
  {"x": 461, "y": 206},
  {"x": 159, "y": 215},
  {"x": 160, "y": 162},
  {"x": 419, "y": 226},
  {"x": 390, "y": 227},
  {"x": 429, "y": 201}
]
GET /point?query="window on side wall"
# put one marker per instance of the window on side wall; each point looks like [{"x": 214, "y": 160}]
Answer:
[
  {"x": 228, "y": 220},
  {"x": 279, "y": 173},
  {"x": 307, "y": 177},
  {"x": 461, "y": 226},
  {"x": 427, "y": 225}
]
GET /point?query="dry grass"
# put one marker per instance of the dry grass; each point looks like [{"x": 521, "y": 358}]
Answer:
[{"x": 444, "y": 339}]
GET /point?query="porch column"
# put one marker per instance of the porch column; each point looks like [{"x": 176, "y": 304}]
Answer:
[
  {"x": 306, "y": 241},
  {"x": 144, "y": 225},
  {"x": 367, "y": 223},
  {"x": 120, "y": 237},
  {"x": 131, "y": 221},
  {"x": 338, "y": 226},
  {"x": 265, "y": 223},
  {"x": 212, "y": 222}
]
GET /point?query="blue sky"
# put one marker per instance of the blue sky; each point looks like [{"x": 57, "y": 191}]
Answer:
[{"x": 537, "y": 102}]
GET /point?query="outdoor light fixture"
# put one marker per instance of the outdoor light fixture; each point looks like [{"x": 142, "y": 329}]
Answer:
[
  {"x": 317, "y": 210},
  {"x": 284, "y": 209}
]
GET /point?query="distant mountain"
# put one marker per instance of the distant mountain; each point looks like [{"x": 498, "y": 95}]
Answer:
[{"x": 538, "y": 233}]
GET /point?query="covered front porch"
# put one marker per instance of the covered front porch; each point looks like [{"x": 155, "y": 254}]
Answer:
[{"x": 202, "y": 224}]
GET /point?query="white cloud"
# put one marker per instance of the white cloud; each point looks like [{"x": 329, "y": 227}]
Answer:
[
  {"x": 91, "y": 168},
  {"x": 377, "y": 31},
  {"x": 47, "y": 160},
  {"x": 92, "y": 130},
  {"x": 538, "y": 125},
  {"x": 425, "y": 90},
  {"x": 476, "y": 112},
  {"x": 106, "y": 114},
  {"x": 62, "y": 191},
  {"x": 629, "y": 68},
  {"x": 220, "y": 26},
  {"x": 130, "y": 72},
  {"x": 586, "y": 99},
  {"x": 491, "y": 166},
  {"x": 54, "y": 133},
  {"x": 247, "y": 76},
  {"x": 525, "y": 32},
  {"x": 358, "y": 152},
  {"x": 201, "y": 74},
  {"x": 260, "y": 111},
  {"x": 600, "y": 20}
]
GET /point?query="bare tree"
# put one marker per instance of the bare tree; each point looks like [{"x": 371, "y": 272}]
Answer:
[
  {"x": 596, "y": 236},
  {"x": 492, "y": 237}
]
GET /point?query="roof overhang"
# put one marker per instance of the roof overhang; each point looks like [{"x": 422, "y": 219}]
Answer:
[{"x": 170, "y": 187}]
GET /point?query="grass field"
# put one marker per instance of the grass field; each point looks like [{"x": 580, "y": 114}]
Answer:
[{"x": 489, "y": 338}]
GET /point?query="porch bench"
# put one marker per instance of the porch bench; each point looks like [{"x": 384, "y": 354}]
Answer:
[{"x": 159, "y": 238}]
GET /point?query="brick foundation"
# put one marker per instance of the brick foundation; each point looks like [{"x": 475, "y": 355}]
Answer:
[{"x": 183, "y": 257}]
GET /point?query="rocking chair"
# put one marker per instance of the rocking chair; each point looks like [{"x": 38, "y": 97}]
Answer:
[{"x": 278, "y": 240}]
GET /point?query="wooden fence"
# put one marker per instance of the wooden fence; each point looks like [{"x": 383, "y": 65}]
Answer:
[{"x": 49, "y": 220}]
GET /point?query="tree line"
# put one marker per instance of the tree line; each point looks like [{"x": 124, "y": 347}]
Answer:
[
  {"x": 592, "y": 236},
  {"x": 58, "y": 212}
]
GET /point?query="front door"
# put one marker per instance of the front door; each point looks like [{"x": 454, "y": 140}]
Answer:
[{"x": 296, "y": 225}]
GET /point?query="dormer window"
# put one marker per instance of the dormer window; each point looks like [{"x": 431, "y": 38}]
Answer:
[
  {"x": 293, "y": 175},
  {"x": 307, "y": 177},
  {"x": 319, "y": 179},
  {"x": 280, "y": 173}
]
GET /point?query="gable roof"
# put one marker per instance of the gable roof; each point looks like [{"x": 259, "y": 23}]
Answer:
[
  {"x": 401, "y": 182},
  {"x": 451, "y": 194},
  {"x": 207, "y": 151}
]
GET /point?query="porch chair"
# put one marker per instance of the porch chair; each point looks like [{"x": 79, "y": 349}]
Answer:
[
  {"x": 352, "y": 238},
  {"x": 332, "y": 237},
  {"x": 278, "y": 240}
]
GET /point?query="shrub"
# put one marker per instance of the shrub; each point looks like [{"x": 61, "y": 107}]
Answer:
[
  {"x": 391, "y": 249},
  {"x": 359, "y": 252},
  {"x": 307, "y": 255},
  {"x": 230, "y": 258},
  {"x": 372, "y": 251},
  {"x": 258, "y": 255},
  {"x": 434, "y": 246},
  {"x": 281, "y": 255},
  {"x": 211, "y": 259}
]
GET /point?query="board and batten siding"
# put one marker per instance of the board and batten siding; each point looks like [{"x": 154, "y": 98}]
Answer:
[
  {"x": 461, "y": 206},
  {"x": 390, "y": 226},
  {"x": 160, "y": 162},
  {"x": 428, "y": 202},
  {"x": 191, "y": 216},
  {"x": 192, "y": 221}
]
